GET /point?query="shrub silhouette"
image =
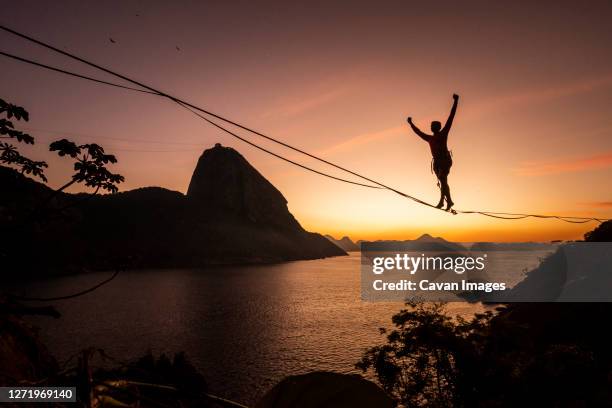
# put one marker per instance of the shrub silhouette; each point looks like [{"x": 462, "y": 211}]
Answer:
[
  {"x": 90, "y": 160},
  {"x": 426, "y": 359},
  {"x": 9, "y": 154},
  {"x": 22, "y": 221},
  {"x": 525, "y": 354}
]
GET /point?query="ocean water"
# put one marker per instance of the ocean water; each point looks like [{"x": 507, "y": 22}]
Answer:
[{"x": 244, "y": 328}]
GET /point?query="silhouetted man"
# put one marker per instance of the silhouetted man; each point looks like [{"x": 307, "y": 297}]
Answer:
[{"x": 442, "y": 160}]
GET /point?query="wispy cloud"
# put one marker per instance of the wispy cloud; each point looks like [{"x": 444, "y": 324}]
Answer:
[
  {"x": 316, "y": 93},
  {"x": 573, "y": 165},
  {"x": 294, "y": 106},
  {"x": 526, "y": 97},
  {"x": 602, "y": 204},
  {"x": 364, "y": 138}
]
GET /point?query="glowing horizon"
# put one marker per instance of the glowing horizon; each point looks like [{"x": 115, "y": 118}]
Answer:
[{"x": 532, "y": 132}]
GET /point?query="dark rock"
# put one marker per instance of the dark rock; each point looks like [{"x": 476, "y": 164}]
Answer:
[
  {"x": 576, "y": 271},
  {"x": 230, "y": 215},
  {"x": 322, "y": 389},
  {"x": 603, "y": 233},
  {"x": 22, "y": 356},
  {"x": 223, "y": 182}
]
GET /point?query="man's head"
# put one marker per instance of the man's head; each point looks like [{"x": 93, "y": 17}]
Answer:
[{"x": 436, "y": 126}]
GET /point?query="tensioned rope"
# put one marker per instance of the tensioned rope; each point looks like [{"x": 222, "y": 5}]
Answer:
[
  {"x": 268, "y": 151},
  {"x": 63, "y": 71},
  {"x": 193, "y": 108},
  {"x": 175, "y": 99}
]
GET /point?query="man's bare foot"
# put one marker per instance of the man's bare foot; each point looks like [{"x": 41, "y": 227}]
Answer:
[
  {"x": 440, "y": 204},
  {"x": 449, "y": 205}
]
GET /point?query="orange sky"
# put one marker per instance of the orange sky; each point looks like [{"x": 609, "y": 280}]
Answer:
[{"x": 532, "y": 132}]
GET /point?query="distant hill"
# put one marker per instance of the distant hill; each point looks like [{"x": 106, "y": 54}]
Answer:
[
  {"x": 512, "y": 246},
  {"x": 230, "y": 214},
  {"x": 423, "y": 243},
  {"x": 344, "y": 243}
]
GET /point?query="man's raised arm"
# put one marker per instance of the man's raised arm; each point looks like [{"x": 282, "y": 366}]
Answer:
[
  {"x": 449, "y": 121},
  {"x": 418, "y": 131}
]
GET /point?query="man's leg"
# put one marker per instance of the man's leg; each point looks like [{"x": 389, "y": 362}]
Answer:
[
  {"x": 438, "y": 172},
  {"x": 446, "y": 191},
  {"x": 441, "y": 202}
]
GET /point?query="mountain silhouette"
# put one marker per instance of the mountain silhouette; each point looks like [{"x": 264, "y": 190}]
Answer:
[
  {"x": 423, "y": 243},
  {"x": 345, "y": 243},
  {"x": 230, "y": 215},
  {"x": 511, "y": 246},
  {"x": 223, "y": 182}
]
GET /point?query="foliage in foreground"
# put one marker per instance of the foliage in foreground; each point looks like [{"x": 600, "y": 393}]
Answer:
[
  {"x": 526, "y": 354},
  {"x": 554, "y": 354},
  {"x": 90, "y": 160},
  {"x": 423, "y": 362},
  {"x": 30, "y": 210}
]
